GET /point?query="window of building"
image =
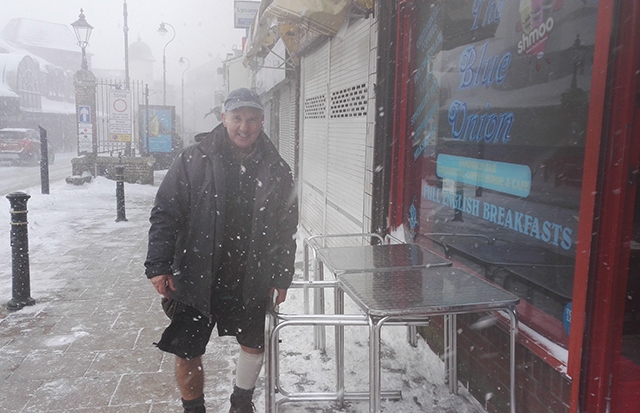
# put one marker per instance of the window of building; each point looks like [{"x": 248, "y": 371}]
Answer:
[
  {"x": 498, "y": 105},
  {"x": 29, "y": 84}
]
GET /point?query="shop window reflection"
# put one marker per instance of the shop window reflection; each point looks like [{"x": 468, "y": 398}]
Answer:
[
  {"x": 503, "y": 198},
  {"x": 631, "y": 326}
]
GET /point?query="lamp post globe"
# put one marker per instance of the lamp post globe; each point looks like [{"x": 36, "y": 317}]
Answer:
[
  {"x": 163, "y": 30},
  {"x": 82, "y": 30}
]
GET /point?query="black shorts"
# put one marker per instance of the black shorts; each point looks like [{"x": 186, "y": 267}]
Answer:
[{"x": 189, "y": 332}]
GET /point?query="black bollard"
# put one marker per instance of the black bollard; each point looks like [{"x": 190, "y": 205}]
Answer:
[
  {"x": 19, "y": 252},
  {"x": 120, "y": 193},
  {"x": 44, "y": 161}
]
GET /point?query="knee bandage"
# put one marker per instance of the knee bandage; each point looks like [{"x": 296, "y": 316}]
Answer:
[{"x": 248, "y": 369}]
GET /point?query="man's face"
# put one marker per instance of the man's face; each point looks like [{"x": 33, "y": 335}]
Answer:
[{"x": 243, "y": 126}]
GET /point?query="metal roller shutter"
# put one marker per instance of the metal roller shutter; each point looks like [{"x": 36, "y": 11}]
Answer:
[
  {"x": 347, "y": 130},
  {"x": 287, "y": 125},
  {"x": 313, "y": 159},
  {"x": 335, "y": 95}
]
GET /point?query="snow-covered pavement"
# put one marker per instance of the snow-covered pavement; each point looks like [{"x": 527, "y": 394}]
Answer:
[{"x": 86, "y": 345}]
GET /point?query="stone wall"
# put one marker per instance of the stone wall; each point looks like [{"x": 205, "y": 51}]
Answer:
[{"x": 136, "y": 170}]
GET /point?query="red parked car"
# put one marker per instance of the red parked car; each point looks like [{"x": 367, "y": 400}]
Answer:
[{"x": 22, "y": 146}]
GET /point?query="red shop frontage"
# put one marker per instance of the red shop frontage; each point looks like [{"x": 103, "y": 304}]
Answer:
[{"x": 516, "y": 152}]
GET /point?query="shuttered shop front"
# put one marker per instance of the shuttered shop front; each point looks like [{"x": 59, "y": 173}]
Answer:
[{"x": 334, "y": 93}]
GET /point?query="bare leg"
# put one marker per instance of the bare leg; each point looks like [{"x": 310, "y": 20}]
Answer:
[{"x": 190, "y": 377}]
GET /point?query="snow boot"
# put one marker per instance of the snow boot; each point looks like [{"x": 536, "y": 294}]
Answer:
[
  {"x": 194, "y": 406},
  {"x": 241, "y": 401}
]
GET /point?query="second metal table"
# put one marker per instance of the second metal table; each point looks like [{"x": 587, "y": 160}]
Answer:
[{"x": 414, "y": 296}]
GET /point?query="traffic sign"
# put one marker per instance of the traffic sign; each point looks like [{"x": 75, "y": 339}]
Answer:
[
  {"x": 120, "y": 115},
  {"x": 84, "y": 114},
  {"x": 85, "y": 137}
]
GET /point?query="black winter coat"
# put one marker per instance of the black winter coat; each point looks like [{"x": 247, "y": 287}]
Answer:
[{"x": 187, "y": 224}]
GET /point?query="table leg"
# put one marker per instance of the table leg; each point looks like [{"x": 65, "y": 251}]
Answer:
[
  {"x": 453, "y": 383},
  {"x": 513, "y": 332},
  {"x": 305, "y": 277},
  {"x": 270, "y": 360},
  {"x": 374, "y": 365},
  {"x": 375, "y": 383},
  {"x": 339, "y": 343},
  {"x": 447, "y": 350},
  {"x": 451, "y": 352},
  {"x": 320, "y": 338},
  {"x": 412, "y": 336}
]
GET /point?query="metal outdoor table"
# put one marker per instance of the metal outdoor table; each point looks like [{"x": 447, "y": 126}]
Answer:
[
  {"x": 275, "y": 322},
  {"x": 368, "y": 258},
  {"x": 338, "y": 260},
  {"x": 378, "y": 258},
  {"x": 413, "y": 296}
]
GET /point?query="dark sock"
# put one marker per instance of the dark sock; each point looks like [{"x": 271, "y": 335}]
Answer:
[
  {"x": 194, "y": 406},
  {"x": 242, "y": 393}
]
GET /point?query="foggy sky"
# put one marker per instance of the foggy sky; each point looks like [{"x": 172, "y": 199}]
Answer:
[{"x": 204, "y": 28}]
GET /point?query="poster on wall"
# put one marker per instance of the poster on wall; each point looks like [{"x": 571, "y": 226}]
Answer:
[
  {"x": 499, "y": 118},
  {"x": 158, "y": 124}
]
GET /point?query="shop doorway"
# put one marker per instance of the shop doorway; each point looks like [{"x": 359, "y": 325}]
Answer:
[
  {"x": 626, "y": 379},
  {"x": 611, "y": 360}
]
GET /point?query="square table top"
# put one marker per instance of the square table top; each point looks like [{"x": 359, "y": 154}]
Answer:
[
  {"x": 423, "y": 292},
  {"x": 340, "y": 260}
]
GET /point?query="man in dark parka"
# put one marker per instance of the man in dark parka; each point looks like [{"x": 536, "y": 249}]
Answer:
[{"x": 221, "y": 244}]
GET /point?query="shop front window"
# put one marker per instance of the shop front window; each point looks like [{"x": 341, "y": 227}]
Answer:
[
  {"x": 29, "y": 85},
  {"x": 499, "y": 99}
]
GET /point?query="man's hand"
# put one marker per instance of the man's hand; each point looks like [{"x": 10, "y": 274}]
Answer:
[
  {"x": 163, "y": 284},
  {"x": 281, "y": 295}
]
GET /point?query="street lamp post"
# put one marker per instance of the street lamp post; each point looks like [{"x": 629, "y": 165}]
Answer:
[
  {"x": 163, "y": 30},
  {"x": 83, "y": 33},
  {"x": 125, "y": 29},
  {"x": 181, "y": 61},
  {"x": 85, "y": 86}
]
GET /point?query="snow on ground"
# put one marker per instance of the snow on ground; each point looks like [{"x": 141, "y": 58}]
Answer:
[
  {"x": 54, "y": 218},
  {"x": 418, "y": 372}
]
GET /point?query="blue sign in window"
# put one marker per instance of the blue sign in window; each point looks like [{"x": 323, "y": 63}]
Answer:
[{"x": 503, "y": 177}]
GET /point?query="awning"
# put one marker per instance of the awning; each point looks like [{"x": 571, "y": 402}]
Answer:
[
  {"x": 290, "y": 35},
  {"x": 365, "y": 5},
  {"x": 262, "y": 36},
  {"x": 298, "y": 22},
  {"x": 321, "y": 16}
]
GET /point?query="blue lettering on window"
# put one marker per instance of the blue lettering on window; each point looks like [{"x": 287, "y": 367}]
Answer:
[
  {"x": 490, "y": 127},
  {"x": 483, "y": 71}
]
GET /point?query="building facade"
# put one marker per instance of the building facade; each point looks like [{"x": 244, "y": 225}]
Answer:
[
  {"x": 513, "y": 151},
  {"x": 36, "y": 79},
  {"x": 503, "y": 135}
]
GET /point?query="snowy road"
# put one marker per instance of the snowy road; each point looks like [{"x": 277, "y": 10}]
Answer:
[{"x": 18, "y": 178}]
